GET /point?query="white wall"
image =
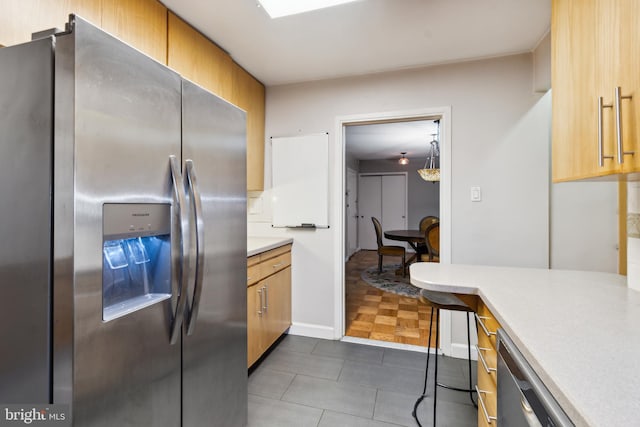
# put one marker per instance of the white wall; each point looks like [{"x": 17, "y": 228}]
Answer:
[
  {"x": 584, "y": 226},
  {"x": 488, "y": 101},
  {"x": 542, "y": 65}
]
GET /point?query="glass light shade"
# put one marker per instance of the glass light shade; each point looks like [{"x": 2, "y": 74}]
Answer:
[
  {"x": 428, "y": 174},
  {"x": 403, "y": 161}
]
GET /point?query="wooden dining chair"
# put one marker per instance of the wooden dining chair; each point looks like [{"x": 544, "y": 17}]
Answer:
[
  {"x": 424, "y": 223},
  {"x": 388, "y": 249},
  {"x": 432, "y": 241},
  {"x": 427, "y": 221}
]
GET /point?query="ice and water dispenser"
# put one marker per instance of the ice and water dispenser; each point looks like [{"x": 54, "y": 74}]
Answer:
[{"x": 136, "y": 257}]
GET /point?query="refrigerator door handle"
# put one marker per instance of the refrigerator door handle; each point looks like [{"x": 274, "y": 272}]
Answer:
[
  {"x": 196, "y": 202},
  {"x": 183, "y": 218}
]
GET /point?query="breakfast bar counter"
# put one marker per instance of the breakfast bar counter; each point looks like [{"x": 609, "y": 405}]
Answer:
[{"x": 580, "y": 331}]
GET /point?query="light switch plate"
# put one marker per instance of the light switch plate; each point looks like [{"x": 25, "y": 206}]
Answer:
[{"x": 476, "y": 194}]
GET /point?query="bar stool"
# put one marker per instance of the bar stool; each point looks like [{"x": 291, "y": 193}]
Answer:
[{"x": 443, "y": 301}]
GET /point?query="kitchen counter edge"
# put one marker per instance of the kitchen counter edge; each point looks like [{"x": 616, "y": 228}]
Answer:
[{"x": 257, "y": 245}]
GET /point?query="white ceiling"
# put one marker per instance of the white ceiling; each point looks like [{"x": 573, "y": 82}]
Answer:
[
  {"x": 366, "y": 36},
  {"x": 388, "y": 140}
]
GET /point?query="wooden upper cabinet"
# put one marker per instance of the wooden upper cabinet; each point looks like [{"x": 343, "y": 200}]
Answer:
[
  {"x": 20, "y": 18},
  {"x": 594, "y": 51},
  {"x": 140, "y": 23},
  {"x": 198, "y": 59},
  {"x": 249, "y": 94}
]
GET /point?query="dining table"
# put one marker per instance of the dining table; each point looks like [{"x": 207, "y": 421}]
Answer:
[{"x": 413, "y": 237}]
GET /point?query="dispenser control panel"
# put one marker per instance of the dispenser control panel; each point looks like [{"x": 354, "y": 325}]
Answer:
[{"x": 125, "y": 220}]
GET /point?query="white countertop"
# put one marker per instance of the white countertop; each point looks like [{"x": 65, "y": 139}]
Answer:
[
  {"x": 580, "y": 331},
  {"x": 256, "y": 245}
]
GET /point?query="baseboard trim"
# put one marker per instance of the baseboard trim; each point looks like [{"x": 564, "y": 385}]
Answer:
[
  {"x": 313, "y": 331},
  {"x": 386, "y": 344}
]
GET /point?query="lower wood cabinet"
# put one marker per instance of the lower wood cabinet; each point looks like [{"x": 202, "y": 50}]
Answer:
[
  {"x": 268, "y": 300},
  {"x": 487, "y": 366}
]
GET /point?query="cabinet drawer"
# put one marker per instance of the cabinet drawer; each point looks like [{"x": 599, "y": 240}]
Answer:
[
  {"x": 487, "y": 324},
  {"x": 273, "y": 265},
  {"x": 253, "y": 274},
  {"x": 489, "y": 398},
  {"x": 267, "y": 263},
  {"x": 487, "y": 358}
]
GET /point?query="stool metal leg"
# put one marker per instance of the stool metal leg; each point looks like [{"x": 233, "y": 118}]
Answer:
[
  {"x": 471, "y": 389},
  {"x": 426, "y": 374},
  {"x": 435, "y": 376}
]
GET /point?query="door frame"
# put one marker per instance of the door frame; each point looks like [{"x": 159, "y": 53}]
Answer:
[
  {"x": 356, "y": 207},
  {"x": 406, "y": 198},
  {"x": 338, "y": 186}
]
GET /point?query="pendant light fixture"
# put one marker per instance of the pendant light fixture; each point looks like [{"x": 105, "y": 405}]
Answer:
[
  {"x": 403, "y": 160},
  {"x": 431, "y": 170}
]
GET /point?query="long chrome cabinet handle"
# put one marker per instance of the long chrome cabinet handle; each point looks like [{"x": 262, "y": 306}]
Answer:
[
  {"x": 618, "y": 101},
  {"x": 484, "y": 362},
  {"x": 601, "y": 155},
  {"x": 483, "y": 326},
  {"x": 196, "y": 202},
  {"x": 183, "y": 219},
  {"x": 266, "y": 301},
  {"x": 487, "y": 417},
  {"x": 260, "y": 302}
]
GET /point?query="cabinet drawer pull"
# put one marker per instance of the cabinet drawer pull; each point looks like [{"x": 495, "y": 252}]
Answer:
[
  {"x": 278, "y": 264},
  {"x": 484, "y": 362},
  {"x": 601, "y": 155},
  {"x": 488, "y": 417},
  {"x": 483, "y": 326},
  {"x": 618, "y": 102}
]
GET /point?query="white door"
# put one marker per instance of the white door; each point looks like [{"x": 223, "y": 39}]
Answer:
[
  {"x": 394, "y": 203},
  {"x": 369, "y": 204},
  {"x": 351, "y": 221}
]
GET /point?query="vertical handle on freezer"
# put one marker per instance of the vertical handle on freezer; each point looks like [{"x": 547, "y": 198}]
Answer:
[
  {"x": 183, "y": 219},
  {"x": 196, "y": 202}
]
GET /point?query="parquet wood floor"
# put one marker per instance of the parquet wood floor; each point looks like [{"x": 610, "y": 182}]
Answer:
[{"x": 378, "y": 315}]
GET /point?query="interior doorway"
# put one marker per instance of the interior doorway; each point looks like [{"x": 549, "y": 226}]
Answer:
[{"x": 417, "y": 158}]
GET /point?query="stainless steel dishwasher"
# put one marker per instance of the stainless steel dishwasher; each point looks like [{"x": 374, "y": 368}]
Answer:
[{"x": 523, "y": 400}]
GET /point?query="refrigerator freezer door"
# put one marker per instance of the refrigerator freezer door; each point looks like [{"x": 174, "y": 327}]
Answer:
[
  {"x": 214, "y": 354},
  {"x": 26, "y": 90},
  {"x": 117, "y": 123}
]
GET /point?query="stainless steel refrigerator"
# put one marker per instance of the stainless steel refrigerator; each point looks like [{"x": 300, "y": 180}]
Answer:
[{"x": 122, "y": 237}]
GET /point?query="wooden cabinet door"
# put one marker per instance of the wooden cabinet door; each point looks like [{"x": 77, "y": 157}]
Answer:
[
  {"x": 576, "y": 82},
  {"x": 624, "y": 25},
  {"x": 594, "y": 51},
  {"x": 278, "y": 302},
  {"x": 249, "y": 94},
  {"x": 140, "y": 23},
  {"x": 198, "y": 59},
  {"x": 255, "y": 342},
  {"x": 20, "y": 18}
]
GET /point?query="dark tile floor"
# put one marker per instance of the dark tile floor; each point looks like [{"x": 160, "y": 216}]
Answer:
[{"x": 321, "y": 383}]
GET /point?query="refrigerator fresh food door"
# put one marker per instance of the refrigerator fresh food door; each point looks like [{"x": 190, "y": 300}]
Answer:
[
  {"x": 215, "y": 339},
  {"x": 26, "y": 90},
  {"x": 117, "y": 123}
]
